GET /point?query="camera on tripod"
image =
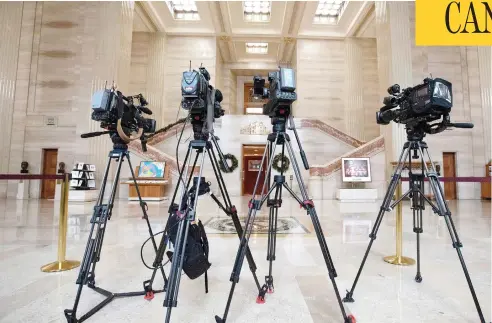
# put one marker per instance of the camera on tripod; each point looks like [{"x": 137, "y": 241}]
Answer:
[
  {"x": 121, "y": 116},
  {"x": 425, "y": 102},
  {"x": 281, "y": 92},
  {"x": 195, "y": 90}
]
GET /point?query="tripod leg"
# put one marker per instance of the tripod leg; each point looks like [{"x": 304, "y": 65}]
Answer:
[
  {"x": 417, "y": 203},
  {"x": 309, "y": 207},
  {"x": 180, "y": 248},
  {"x": 232, "y": 212},
  {"x": 90, "y": 251},
  {"x": 384, "y": 208},
  {"x": 254, "y": 205},
  {"x": 446, "y": 213},
  {"x": 144, "y": 207}
]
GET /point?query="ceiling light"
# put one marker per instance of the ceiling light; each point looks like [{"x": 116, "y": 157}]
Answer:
[
  {"x": 329, "y": 11},
  {"x": 257, "y": 48},
  {"x": 257, "y": 11},
  {"x": 183, "y": 9}
]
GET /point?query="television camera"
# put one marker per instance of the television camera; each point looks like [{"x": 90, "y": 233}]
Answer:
[
  {"x": 121, "y": 116},
  {"x": 202, "y": 100},
  {"x": 420, "y": 105},
  {"x": 280, "y": 94}
]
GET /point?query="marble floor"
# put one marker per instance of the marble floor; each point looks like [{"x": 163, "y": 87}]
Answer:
[{"x": 385, "y": 294}]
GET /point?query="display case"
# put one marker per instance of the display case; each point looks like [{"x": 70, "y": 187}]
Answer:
[{"x": 83, "y": 177}]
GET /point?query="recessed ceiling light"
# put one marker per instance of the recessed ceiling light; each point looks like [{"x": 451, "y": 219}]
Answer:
[
  {"x": 257, "y": 48},
  {"x": 329, "y": 11},
  {"x": 257, "y": 11},
  {"x": 183, "y": 9}
]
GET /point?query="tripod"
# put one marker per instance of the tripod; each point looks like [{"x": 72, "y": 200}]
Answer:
[
  {"x": 202, "y": 145},
  {"x": 416, "y": 148},
  {"x": 279, "y": 137},
  {"x": 102, "y": 213}
]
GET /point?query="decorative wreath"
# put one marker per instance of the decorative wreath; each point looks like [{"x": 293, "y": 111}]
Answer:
[
  {"x": 284, "y": 163},
  {"x": 232, "y": 166}
]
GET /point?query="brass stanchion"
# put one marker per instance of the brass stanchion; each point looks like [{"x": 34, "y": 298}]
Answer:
[
  {"x": 398, "y": 259},
  {"x": 61, "y": 264}
]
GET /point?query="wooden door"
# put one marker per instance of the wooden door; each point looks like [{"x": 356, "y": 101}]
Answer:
[
  {"x": 252, "y": 156},
  {"x": 50, "y": 158},
  {"x": 449, "y": 163}
]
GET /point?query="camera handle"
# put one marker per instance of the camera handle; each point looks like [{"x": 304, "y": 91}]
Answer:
[{"x": 292, "y": 126}]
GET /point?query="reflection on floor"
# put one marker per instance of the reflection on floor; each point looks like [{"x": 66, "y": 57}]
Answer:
[{"x": 385, "y": 294}]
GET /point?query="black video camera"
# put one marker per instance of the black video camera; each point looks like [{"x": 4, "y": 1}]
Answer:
[
  {"x": 420, "y": 105},
  {"x": 281, "y": 93},
  {"x": 121, "y": 115},
  {"x": 196, "y": 90}
]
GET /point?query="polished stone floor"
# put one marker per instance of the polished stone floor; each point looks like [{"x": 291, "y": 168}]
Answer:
[{"x": 385, "y": 294}]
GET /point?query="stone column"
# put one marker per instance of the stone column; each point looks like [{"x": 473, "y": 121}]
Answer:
[
  {"x": 394, "y": 63},
  {"x": 485, "y": 63},
  {"x": 10, "y": 31},
  {"x": 354, "y": 87}
]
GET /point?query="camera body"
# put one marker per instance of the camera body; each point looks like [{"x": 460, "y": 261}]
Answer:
[
  {"x": 281, "y": 93},
  {"x": 425, "y": 102},
  {"x": 110, "y": 105},
  {"x": 195, "y": 92}
]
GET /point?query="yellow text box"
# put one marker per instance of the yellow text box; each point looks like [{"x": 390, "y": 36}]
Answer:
[{"x": 453, "y": 23}]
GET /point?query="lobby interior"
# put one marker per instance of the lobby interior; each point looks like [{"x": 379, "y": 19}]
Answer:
[{"x": 56, "y": 55}]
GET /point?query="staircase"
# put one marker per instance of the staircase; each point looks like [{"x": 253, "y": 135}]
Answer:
[
  {"x": 367, "y": 149},
  {"x": 361, "y": 149}
]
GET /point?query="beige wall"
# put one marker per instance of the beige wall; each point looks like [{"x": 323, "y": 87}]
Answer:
[
  {"x": 57, "y": 57},
  {"x": 326, "y": 70}
]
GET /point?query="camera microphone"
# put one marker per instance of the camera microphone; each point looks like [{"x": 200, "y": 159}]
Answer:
[
  {"x": 145, "y": 110},
  {"x": 464, "y": 125}
]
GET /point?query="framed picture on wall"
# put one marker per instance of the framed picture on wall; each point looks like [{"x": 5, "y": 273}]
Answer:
[{"x": 356, "y": 170}]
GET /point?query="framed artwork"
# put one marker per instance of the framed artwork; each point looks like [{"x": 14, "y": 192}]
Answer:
[
  {"x": 151, "y": 169},
  {"x": 91, "y": 183},
  {"x": 90, "y": 175},
  {"x": 80, "y": 166},
  {"x": 356, "y": 170},
  {"x": 92, "y": 168}
]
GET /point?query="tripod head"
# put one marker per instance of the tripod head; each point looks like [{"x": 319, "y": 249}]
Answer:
[{"x": 416, "y": 131}]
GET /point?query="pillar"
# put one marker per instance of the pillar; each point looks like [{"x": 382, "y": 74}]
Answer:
[
  {"x": 10, "y": 30},
  {"x": 354, "y": 87},
  {"x": 394, "y": 63}
]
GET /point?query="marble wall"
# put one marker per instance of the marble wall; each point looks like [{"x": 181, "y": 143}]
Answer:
[
  {"x": 337, "y": 83},
  {"x": 60, "y": 57}
]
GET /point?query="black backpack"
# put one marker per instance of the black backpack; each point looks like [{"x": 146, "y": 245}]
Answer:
[{"x": 195, "y": 261}]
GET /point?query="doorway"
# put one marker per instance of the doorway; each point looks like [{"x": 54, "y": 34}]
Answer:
[
  {"x": 48, "y": 186},
  {"x": 449, "y": 164},
  {"x": 252, "y": 155}
]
